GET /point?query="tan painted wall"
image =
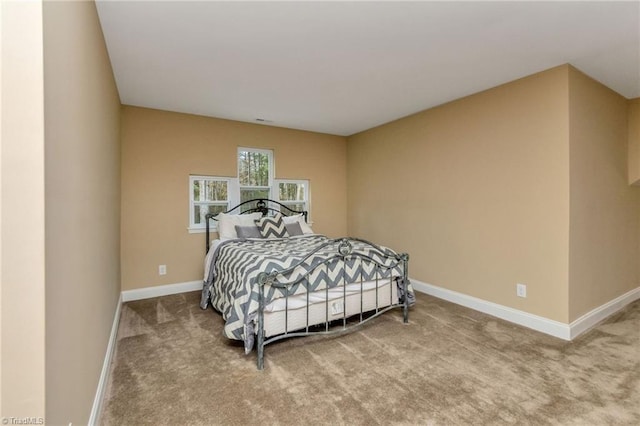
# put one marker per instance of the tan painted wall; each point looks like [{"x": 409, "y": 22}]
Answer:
[
  {"x": 22, "y": 212},
  {"x": 1, "y": 118},
  {"x": 634, "y": 141},
  {"x": 161, "y": 149},
  {"x": 477, "y": 191},
  {"x": 605, "y": 211},
  {"x": 82, "y": 162}
]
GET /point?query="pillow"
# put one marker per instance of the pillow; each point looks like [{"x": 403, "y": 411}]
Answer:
[
  {"x": 272, "y": 227},
  {"x": 293, "y": 229},
  {"x": 227, "y": 223},
  {"x": 299, "y": 218},
  {"x": 250, "y": 231}
]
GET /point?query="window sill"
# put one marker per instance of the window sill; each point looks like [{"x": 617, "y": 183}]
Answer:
[{"x": 202, "y": 230}]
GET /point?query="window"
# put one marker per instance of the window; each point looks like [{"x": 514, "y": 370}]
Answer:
[
  {"x": 293, "y": 193},
  {"x": 255, "y": 172},
  {"x": 209, "y": 194}
]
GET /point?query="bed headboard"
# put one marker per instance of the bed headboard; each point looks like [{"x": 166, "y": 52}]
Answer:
[{"x": 261, "y": 205}]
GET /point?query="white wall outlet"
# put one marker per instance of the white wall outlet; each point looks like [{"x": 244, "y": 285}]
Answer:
[
  {"x": 162, "y": 270},
  {"x": 521, "y": 290}
]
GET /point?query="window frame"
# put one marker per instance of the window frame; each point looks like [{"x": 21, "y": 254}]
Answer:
[
  {"x": 307, "y": 191},
  {"x": 270, "y": 157},
  {"x": 234, "y": 190},
  {"x": 231, "y": 198}
]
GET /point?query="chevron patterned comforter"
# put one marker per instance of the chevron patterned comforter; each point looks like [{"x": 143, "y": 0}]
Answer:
[{"x": 232, "y": 286}]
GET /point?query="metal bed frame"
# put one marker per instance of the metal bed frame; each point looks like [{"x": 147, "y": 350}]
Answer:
[{"x": 345, "y": 252}]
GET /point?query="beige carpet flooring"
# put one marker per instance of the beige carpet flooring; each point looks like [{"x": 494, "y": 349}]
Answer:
[{"x": 448, "y": 366}]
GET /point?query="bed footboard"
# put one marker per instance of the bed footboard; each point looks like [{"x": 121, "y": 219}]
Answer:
[{"x": 386, "y": 270}]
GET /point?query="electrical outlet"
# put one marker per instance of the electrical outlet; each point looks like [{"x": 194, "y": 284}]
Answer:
[
  {"x": 162, "y": 270},
  {"x": 521, "y": 290}
]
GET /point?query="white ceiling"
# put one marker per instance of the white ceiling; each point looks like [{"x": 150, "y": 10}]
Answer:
[{"x": 344, "y": 67}]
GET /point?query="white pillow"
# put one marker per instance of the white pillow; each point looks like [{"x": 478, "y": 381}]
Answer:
[
  {"x": 306, "y": 229},
  {"x": 227, "y": 223}
]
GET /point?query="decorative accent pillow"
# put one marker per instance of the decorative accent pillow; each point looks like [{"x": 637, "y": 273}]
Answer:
[
  {"x": 293, "y": 229},
  {"x": 250, "y": 231},
  {"x": 227, "y": 223},
  {"x": 272, "y": 227},
  {"x": 306, "y": 229}
]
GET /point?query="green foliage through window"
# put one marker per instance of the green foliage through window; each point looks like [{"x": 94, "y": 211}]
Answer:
[
  {"x": 209, "y": 190},
  {"x": 291, "y": 191},
  {"x": 253, "y": 168}
]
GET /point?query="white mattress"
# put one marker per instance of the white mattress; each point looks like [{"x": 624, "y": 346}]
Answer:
[{"x": 274, "y": 317}]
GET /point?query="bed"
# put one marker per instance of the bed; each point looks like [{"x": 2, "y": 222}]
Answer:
[{"x": 271, "y": 277}]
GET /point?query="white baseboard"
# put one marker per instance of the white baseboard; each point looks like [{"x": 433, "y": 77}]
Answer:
[
  {"x": 535, "y": 322},
  {"x": 593, "y": 317},
  {"x": 126, "y": 296},
  {"x": 161, "y": 290},
  {"x": 106, "y": 365}
]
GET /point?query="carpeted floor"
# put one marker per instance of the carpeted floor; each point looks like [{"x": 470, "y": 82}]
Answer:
[{"x": 448, "y": 366}]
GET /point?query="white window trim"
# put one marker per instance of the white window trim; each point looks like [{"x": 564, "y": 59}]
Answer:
[
  {"x": 272, "y": 167},
  {"x": 232, "y": 200},
  {"x": 307, "y": 193},
  {"x": 234, "y": 190}
]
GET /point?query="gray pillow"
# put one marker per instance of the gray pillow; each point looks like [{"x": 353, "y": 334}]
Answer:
[
  {"x": 248, "y": 231},
  {"x": 293, "y": 228}
]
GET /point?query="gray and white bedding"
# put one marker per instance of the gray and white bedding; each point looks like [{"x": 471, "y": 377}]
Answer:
[{"x": 231, "y": 283}]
